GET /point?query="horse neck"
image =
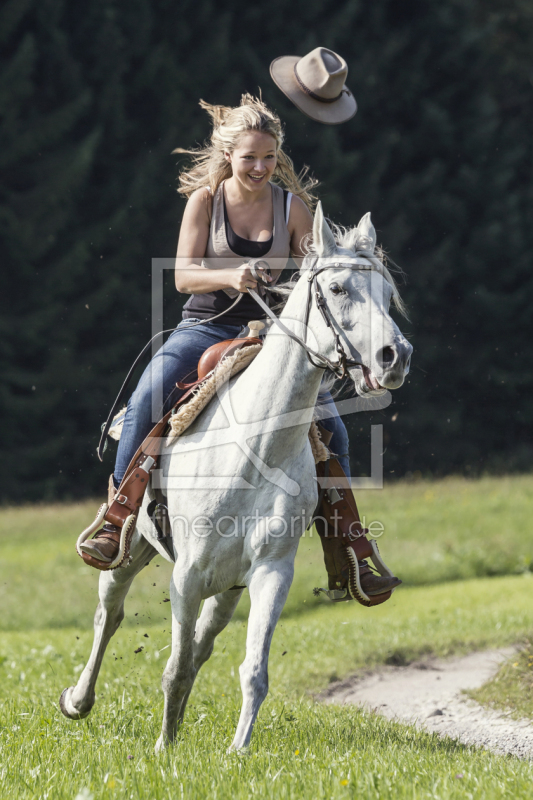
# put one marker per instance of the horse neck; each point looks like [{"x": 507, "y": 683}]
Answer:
[{"x": 285, "y": 379}]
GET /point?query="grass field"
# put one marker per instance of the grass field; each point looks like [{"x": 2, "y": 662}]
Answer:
[
  {"x": 511, "y": 690},
  {"x": 434, "y": 532},
  {"x": 300, "y": 749}
]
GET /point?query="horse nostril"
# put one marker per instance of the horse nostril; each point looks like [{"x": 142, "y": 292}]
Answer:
[{"x": 385, "y": 357}]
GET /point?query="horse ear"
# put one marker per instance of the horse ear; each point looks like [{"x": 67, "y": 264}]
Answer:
[
  {"x": 323, "y": 239},
  {"x": 366, "y": 234}
]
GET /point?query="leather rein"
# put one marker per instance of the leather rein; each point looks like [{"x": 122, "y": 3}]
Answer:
[{"x": 344, "y": 359}]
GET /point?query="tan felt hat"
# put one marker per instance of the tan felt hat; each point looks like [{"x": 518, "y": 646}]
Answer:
[{"x": 316, "y": 85}]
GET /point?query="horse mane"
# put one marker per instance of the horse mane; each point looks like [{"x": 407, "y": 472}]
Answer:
[{"x": 346, "y": 241}]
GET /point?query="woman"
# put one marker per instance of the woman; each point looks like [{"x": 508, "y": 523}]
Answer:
[{"x": 235, "y": 212}]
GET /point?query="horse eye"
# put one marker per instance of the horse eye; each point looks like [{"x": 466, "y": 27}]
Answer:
[{"x": 336, "y": 289}]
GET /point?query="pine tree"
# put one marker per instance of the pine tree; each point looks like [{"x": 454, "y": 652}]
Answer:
[
  {"x": 92, "y": 105},
  {"x": 77, "y": 197}
]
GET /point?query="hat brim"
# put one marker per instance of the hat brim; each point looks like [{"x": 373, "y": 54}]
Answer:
[{"x": 341, "y": 110}]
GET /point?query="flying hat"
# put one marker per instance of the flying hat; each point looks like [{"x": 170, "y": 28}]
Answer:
[{"x": 316, "y": 85}]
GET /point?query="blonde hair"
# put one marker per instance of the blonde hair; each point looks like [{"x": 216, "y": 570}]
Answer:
[{"x": 210, "y": 166}]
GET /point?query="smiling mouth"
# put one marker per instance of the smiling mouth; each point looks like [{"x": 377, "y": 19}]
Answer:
[{"x": 256, "y": 178}]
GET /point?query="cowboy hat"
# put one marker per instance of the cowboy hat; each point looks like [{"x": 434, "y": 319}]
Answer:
[{"x": 315, "y": 84}]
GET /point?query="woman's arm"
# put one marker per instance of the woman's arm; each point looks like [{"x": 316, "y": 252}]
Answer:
[
  {"x": 190, "y": 276},
  {"x": 300, "y": 224}
]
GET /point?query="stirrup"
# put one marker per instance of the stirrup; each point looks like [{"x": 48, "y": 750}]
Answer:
[
  {"x": 354, "y": 589},
  {"x": 125, "y": 538}
]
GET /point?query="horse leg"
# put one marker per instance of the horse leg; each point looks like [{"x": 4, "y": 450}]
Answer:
[
  {"x": 269, "y": 587},
  {"x": 77, "y": 701},
  {"x": 179, "y": 673},
  {"x": 216, "y": 613}
]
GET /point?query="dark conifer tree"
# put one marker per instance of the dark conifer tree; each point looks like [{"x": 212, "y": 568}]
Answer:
[{"x": 93, "y": 100}]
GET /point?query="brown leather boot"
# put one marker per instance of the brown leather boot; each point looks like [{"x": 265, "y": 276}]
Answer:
[
  {"x": 104, "y": 545},
  {"x": 373, "y": 584}
]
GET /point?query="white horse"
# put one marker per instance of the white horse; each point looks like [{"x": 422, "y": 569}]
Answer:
[{"x": 257, "y": 445}]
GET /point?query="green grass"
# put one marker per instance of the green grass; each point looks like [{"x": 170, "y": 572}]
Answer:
[
  {"x": 511, "y": 689},
  {"x": 40, "y": 750},
  {"x": 300, "y": 749},
  {"x": 434, "y": 532}
]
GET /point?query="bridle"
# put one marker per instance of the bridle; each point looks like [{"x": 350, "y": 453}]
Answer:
[
  {"x": 338, "y": 367},
  {"x": 344, "y": 360}
]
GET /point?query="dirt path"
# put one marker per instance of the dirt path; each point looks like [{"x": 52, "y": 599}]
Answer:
[{"x": 428, "y": 693}]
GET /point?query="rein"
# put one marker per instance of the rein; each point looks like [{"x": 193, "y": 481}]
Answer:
[{"x": 344, "y": 359}]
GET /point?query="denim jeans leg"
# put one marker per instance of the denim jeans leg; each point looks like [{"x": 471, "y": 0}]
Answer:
[
  {"x": 157, "y": 391},
  {"x": 327, "y": 414}
]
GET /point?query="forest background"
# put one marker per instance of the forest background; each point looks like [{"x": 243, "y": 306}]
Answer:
[{"x": 93, "y": 99}]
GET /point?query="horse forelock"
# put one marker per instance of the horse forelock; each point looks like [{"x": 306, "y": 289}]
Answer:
[{"x": 346, "y": 241}]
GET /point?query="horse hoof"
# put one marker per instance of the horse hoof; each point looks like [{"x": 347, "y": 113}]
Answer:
[
  {"x": 161, "y": 744},
  {"x": 66, "y": 706},
  {"x": 242, "y": 750}
]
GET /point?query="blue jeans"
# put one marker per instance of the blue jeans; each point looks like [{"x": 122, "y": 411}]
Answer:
[{"x": 157, "y": 392}]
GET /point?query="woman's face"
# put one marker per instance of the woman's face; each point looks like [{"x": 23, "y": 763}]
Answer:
[{"x": 254, "y": 160}]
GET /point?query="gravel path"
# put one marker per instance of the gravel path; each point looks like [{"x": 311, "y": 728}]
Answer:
[{"x": 428, "y": 694}]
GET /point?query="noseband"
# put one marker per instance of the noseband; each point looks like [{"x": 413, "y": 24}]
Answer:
[{"x": 344, "y": 359}]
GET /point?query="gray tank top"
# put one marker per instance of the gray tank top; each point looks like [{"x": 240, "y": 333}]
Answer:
[{"x": 219, "y": 255}]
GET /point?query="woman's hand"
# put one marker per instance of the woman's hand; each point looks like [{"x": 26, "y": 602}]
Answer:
[{"x": 243, "y": 279}]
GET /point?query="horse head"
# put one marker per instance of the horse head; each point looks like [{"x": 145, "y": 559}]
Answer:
[{"x": 357, "y": 291}]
